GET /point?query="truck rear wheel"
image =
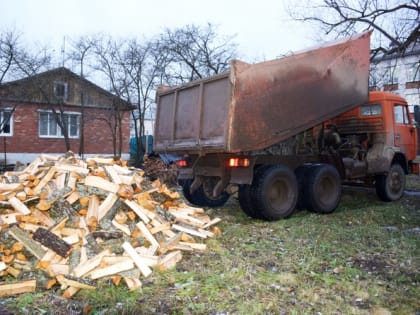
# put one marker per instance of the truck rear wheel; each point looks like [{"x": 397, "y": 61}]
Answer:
[
  {"x": 202, "y": 197},
  {"x": 275, "y": 192},
  {"x": 246, "y": 201},
  {"x": 246, "y": 196},
  {"x": 390, "y": 187},
  {"x": 322, "y": 189}
]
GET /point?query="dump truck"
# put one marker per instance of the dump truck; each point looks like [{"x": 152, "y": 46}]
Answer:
[{"x": 287, "y": 133}]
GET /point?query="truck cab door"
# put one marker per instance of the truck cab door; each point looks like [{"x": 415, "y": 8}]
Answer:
[{"x": 404, "y": 131}]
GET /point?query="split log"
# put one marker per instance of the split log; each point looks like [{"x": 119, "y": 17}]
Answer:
[
  {"x": 189, "y": 231},
  {"x": 71, "y": 182},
  {"x": 99, "y": 160},
  {"x": 143, "y": 267},
  {"x": 45, "y": 180},
  {"x": 107, "y": 235},
  {"x": 170, "y": 242},
  {"x": 70, "y": 292},
  {"x": 73, "y": 197},
  {"x": 99, "y": 182},
  {"x": 147, "y": 235},
  {"x": 169, "y": 261},
  {"x": 196, "y": 246},
  {"x": 93, "y": 207},
  {"x": 75, "y": 282},
  {"x": 142, "y": 213},
  {"x": 111, "y": 270},
  {"x": 52, "y": 241},
  {"x": 10, "y": 218},
  {"x": 132, "y": 283},
  {"x": 89, "y": 265},
  {"x": 10, "y": 187},
  {"x": 72, "y": 168},
  {"x": 46, "y": 220},
  {"x": 60, "y": 180},
  {"x": 112, "y": 173},
  {"x": 160, "y": 227},
  {"x": 187, "y": 219},
  {"x": 17, "y": 287},
  {"x": 56, "y": 269},
  {"x": 19, "y": 206},
  {"x": 29, "y": 244},
  {"x": 122, "y": 227},
  {"x": 107, "y": 205}
]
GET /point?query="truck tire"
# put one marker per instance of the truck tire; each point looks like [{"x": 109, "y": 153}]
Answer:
[
  {"x": 200, "y": 197},
  {"x": 185, "y": 184},
  {"x": 390, "y": 187},
  {"x": 246, "y": 195},
  {"x": 275, "y": 192},
  {"x": 322, "y": 190},
  {"x": 246, "y": 201}
]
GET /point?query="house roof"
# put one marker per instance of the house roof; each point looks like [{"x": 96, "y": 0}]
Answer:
[{"x": 67, "y": 73}]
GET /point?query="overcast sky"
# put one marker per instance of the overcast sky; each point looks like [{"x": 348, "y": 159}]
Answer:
[{"x": 262, "y": 27}]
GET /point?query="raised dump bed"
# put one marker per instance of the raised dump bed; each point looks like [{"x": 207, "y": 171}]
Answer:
[{"x": 254, "y": 106}]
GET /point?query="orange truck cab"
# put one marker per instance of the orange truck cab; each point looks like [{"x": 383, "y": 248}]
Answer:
[{"x": 379, "y": 139}]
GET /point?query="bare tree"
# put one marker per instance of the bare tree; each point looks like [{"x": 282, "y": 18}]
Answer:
[
  {"x": 16, "y": 62},
  {"x": 82, "y": 49},
  {"x": 196, "y": 52},
  {"x": 395, "y": 23},
  {"x": 145, "y": 65},
  {"x": 108, "y": 63},
  {"x": 8, "y": 50}
]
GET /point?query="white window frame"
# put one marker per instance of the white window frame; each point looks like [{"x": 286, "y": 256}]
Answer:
[
  {"x": 65, "y": 87},
  {"x": 400, "y": 114},
  {"x": 391, "y": 75},
  {"x": 2, "y": 111},
  {"x": 51, "y": 120},
  {"x": 373, "y": 109},
  {"x": 414, "y": 72}
]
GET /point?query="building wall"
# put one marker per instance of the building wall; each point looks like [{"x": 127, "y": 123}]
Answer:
[
  {"x": 25, "y": 143},
  {"x": 400, "y": 76}
]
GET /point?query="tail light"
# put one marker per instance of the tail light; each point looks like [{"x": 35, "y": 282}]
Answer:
[
  {"x": 238, "y": 162},
  {"x": 181, "y": 163}
]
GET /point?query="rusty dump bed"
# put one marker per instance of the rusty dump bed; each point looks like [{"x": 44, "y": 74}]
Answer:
[{"x": 257, "y": 105}]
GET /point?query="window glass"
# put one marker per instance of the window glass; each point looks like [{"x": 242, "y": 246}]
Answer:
[
  {"x": 43, "y": 124},
  {"x": 6, "y": 121},
  {"x": 60, "y": 90},
  {"x": 74, "y": 126},
  {"x": 371, "y": 109},
  {"x": 414, "y": 72},
  {"x": 48, "y": 126},
  {"x": 400, "y": 114}
]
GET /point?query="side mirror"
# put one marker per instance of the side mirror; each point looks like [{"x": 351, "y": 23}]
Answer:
[{"x": 417, "y": 113}]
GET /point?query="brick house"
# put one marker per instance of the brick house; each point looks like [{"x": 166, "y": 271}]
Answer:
[{"x": 32, "y": 110}]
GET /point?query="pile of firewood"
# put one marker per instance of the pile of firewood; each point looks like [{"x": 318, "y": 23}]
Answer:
[
  {"x": 70, "y": 222},
  {"x": 155, "y": 168}
]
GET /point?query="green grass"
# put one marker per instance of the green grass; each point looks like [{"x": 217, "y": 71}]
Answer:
[{"x": 363, "y": 258}]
